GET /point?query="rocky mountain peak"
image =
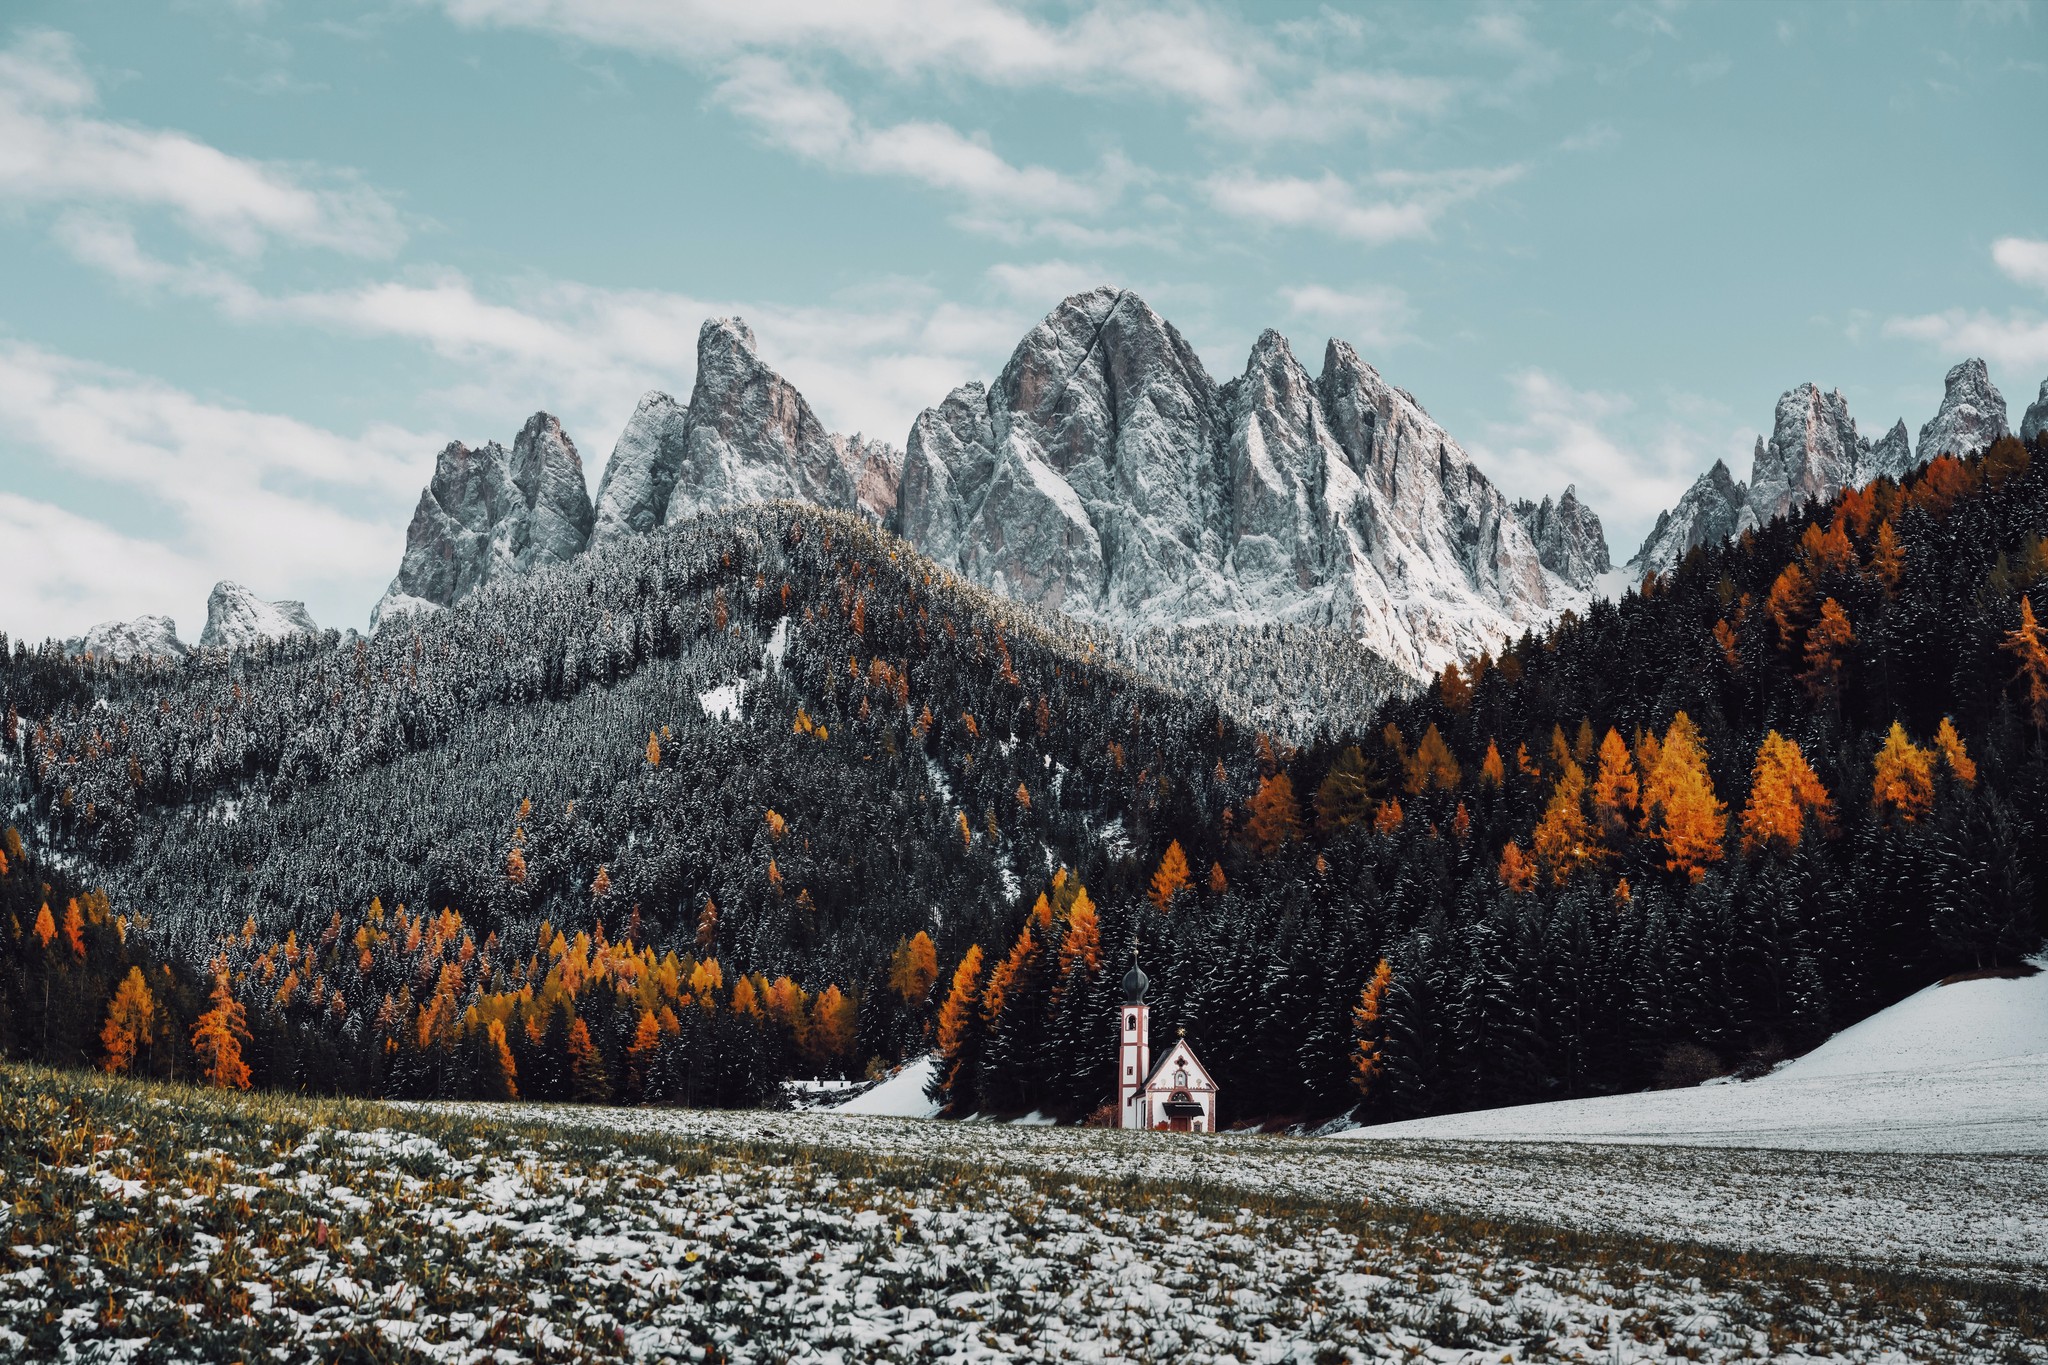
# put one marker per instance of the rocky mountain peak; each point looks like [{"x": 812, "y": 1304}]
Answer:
[
  {"x": 1971, "y": 415},
  {"x": 145, "y": 637},
  {"x": 750, "y": 436},
  {"x": 633, "y": 495},
  {"x": 1716, "y": 507},
  {"x": 2036, "y": 420},
  {"x": 1568, "y": 537},
  {"x": 489, "y": 513},
  {"x": 237, "y": 618}
]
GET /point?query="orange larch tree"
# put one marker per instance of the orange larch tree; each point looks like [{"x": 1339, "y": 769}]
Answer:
[
  {"x": 1368, "y": 1033},
  {"x": 914, "y": 968},
  {"x": 2028, "y": 643},
  {"x": 1827, "y": 649},
  {"x": 218, "y": 1037},
  {"x": 1276, "y": 818},
  {"x": 1170, "y": 879},
  {"x": 131, "y": 1023},
  {"x": 1433, "y": 764},
  {"x": 1684, "y": 813},
  {"x": 1492, "y": 772},
  {"x": 1949, "y": 746},
  {"x": 1902, "y": 785},
  {"x": 957, "y": 1016},
  {"x": 1783, "y": 792},
  {"x": 1517, "y": 870},
  {"x": 1562, "y": 842},
  {"x": 1617, "y": 794},
  {"x": 1345, "y": 795}
]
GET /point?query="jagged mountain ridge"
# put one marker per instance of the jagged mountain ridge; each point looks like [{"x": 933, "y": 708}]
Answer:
[
  {"x": 1813, "y": 450},
  {"x": 1105, "y": 475}
]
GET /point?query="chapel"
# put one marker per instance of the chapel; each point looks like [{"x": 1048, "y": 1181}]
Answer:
[{"x": 1177, "y": 1094}]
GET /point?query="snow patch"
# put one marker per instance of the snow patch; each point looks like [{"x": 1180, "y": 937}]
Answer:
[
  {"x": 723, "y": 703},
  {"x": 901, "y": 1096}
]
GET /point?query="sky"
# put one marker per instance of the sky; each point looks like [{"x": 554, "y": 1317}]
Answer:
[{"x": 259, "y": 262}]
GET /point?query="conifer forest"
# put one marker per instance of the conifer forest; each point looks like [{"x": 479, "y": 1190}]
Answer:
[{"x": 764, "y": 795}]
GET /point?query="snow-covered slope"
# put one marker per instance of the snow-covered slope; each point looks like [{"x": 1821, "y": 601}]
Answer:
[
  {"x": 901, "y": 1096},
  {"x": 1956, "y": 1068}
]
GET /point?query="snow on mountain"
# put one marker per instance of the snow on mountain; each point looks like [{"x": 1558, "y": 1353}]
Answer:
[
  {"x": 2036, "y": 420},
  {"x": 489, "y": 514},
  {"x": 146, "y": 637},
  {"x": 237, "y": 618},
  {"x": 1971, "y": 416},
  {"x": 1814, "y": 449},
  {"x": 1961, "y": 1067},
  {"x": 632, "y": 497},
  {"x": 1568, "y": 537},
  {"x": 1105, "y": 474}
]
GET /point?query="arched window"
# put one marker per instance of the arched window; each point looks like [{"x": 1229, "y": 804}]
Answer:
[
  {"x": 1131, "y": 1022},
  {"x": 1180, "y": 1078}
]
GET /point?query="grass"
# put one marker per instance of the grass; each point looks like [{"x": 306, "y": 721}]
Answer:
[{"x": 150, "y": 1222}]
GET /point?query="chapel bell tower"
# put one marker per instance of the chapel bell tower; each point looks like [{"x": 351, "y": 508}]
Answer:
[{"x": 1134, "y": 1049}]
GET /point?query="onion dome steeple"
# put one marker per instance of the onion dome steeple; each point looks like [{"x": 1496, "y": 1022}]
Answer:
[{"x": 1136, "y": 983}]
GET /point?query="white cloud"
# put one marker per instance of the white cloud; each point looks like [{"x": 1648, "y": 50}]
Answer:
[
  {"x": 54, "y": 152},
  {"x": 1238, "y": 82},
  {"x": 1403, "y": 204},
  {"x": 2022, "y": 260},
  {"x": 1374, "y": 318},
  {"x": 224, "y": 492},
  {"x": 1627, "y": 466},
  {"x": 1042, "y": 284},
  {"x": 818, "y": 125},
  {"x": 2018, "y": 340}
]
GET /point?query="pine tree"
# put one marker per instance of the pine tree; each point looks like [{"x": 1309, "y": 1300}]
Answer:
[
  {"x": 1902, "y": 785},
  {"x": 1783, "y": 792},
  {"x": 1492, "y": 772},
  {"x": 1347, "y": 792},
  {"x": 1170, "y": 879},
  {"x": 640, "y": 1054},
  {"x": 219, "y": 1036},
  {"x": 589, "y": 1081},
  {"x": 74, "y": 929},
  {"x": 1827, "y": 648},
  {"x": 501, "y": 1073},
  {"x": 131, "y": 1023}
]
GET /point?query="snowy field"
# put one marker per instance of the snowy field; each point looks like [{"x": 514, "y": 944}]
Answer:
[
  {"x": 1957, "y": 1068},
  {"x": 157, "y": 1224}
]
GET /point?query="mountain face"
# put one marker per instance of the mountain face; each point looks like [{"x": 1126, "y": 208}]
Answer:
[
  {"x": 632, "y": 498},
  {"x": 1567, "y": 536},
  {"x": 490, "y": 514},
  {"x": 1813, "y": 450},
  {"x": 2036, "y": 420},
  {"x": 1104, "y": 474},
  {"x": 1713, "y": 509},
  {"x": 1971, "y": 416},
  {"x": 146, "y": 637},
  {"x": 237, "y": 618},
  {"x": 1107, "y": 475}
]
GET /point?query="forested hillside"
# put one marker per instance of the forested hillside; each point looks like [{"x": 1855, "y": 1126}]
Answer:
[{"x": 764, "y": 794}]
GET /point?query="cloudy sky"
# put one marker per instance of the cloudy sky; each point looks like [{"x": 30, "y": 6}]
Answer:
[{"x": 259, "y": 261}]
